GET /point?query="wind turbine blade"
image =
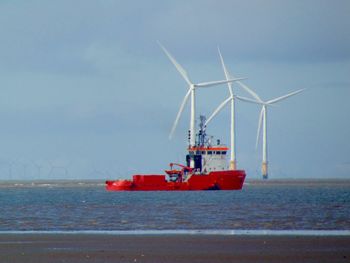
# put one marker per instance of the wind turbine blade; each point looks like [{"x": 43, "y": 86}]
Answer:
[
  {"x": 249, "y": 100},
  {"x": 284, "y": 97},
  {"x": 182, "y": 106},
  {"x": 259, "y": 127},
  {"x": 227, "y": 75},
  {"x": 218, "y": 109},
  {"x": 251, "y": 92},
  {"x": 214, "y": 83},
  {"x": 179, "y": 68}
]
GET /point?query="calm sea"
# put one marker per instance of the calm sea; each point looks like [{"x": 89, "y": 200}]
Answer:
[{"x": 66, "y": 206}]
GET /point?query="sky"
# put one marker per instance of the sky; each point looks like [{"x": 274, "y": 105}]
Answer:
[{"x": 87, "y": 93}]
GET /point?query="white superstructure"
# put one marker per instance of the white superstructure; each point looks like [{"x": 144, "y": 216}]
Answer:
[{"x": 205, "y": 157}]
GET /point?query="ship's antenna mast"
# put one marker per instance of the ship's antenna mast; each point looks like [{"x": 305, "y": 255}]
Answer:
[{"x": 202, "y": 130}]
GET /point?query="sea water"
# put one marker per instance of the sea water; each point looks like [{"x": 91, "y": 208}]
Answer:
[{"x": 72, "y": 206}]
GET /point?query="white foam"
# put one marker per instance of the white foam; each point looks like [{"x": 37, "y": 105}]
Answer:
[{"x": 223, "y": 232}]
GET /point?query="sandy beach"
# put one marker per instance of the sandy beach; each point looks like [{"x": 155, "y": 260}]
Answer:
[{"x": 171, "y": 248}]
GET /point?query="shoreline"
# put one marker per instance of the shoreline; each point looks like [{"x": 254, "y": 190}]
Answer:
[
  {"x": 178, "y": 248},
  {"x": 188, "y": 232}
]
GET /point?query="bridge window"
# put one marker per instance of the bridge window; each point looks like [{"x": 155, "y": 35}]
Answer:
[
  {"x": 210, "y": 152},
  {"x": 203, "y": 152},
  {"x": 218, "y": 152},
  {"x": 224, "y": 152}
]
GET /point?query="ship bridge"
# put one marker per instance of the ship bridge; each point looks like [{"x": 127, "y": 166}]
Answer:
[{"x": 205, "y": 157}]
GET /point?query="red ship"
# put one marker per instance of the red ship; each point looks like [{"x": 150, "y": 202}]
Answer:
[{"x": 206, "y": 169}]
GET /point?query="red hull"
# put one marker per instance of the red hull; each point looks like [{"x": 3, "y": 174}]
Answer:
[{"x": 219, "y": 180}]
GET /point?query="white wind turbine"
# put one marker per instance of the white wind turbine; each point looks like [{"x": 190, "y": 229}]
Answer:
[
  {"x": 191, "y": 91},
  {"x": 231, "y": 98},
  {"x": 263, "y": 118}
]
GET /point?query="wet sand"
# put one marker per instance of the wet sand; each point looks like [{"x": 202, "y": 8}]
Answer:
[{"x": 172, "y": 248}]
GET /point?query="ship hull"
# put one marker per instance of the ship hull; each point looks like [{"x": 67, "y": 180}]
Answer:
[{"x": 218, "y": 180}]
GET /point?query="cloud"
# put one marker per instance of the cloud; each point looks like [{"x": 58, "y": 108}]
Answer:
[
  {"x": 268, "y": 30},
  {"x": 56, "y": 36}
]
